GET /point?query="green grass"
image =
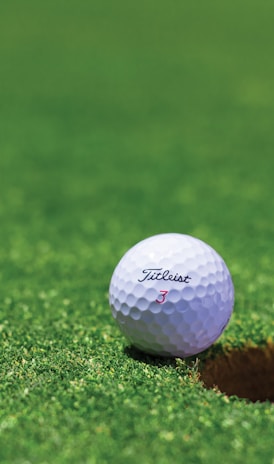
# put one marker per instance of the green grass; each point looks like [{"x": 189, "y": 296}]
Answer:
[{"x": 120, "y": 120}]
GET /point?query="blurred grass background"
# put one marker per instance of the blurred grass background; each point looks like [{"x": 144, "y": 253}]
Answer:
[{"x": 120, "y": 120}]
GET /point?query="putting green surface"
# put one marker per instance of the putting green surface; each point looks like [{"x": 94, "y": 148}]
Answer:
[{"x": 121, "y": 120}]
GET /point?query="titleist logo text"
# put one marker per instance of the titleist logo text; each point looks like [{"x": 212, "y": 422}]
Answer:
[{"x": 160, "y": 274}]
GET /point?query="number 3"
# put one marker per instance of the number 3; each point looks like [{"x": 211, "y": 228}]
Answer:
[{"x": 163, "y": 299}]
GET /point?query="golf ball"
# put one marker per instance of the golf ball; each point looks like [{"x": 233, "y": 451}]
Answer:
[{"x": 171, "y": 295}]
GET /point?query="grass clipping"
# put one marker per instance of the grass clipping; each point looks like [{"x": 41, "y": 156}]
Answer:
[{"x": 247, "y": 373}]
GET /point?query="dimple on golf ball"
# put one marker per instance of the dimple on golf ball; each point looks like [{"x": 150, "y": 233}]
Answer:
[{"x": 171, "y": 295}]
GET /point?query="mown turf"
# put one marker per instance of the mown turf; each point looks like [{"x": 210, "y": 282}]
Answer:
[{"x": 120, "y": 120}]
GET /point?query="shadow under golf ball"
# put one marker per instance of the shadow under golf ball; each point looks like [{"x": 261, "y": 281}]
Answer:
[{"x": 247, "y": 373}]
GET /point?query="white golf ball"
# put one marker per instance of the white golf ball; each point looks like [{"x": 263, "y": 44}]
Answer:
[{"x": 171, "y": 295}]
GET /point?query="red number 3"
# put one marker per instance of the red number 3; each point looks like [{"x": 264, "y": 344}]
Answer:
[{"x": 163, "y": 295}]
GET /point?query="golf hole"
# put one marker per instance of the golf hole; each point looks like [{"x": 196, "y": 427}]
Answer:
[{"x": 246, "y": 373}]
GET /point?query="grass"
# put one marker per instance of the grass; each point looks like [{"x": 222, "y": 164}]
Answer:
[{"x": 119, "y": 121}]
